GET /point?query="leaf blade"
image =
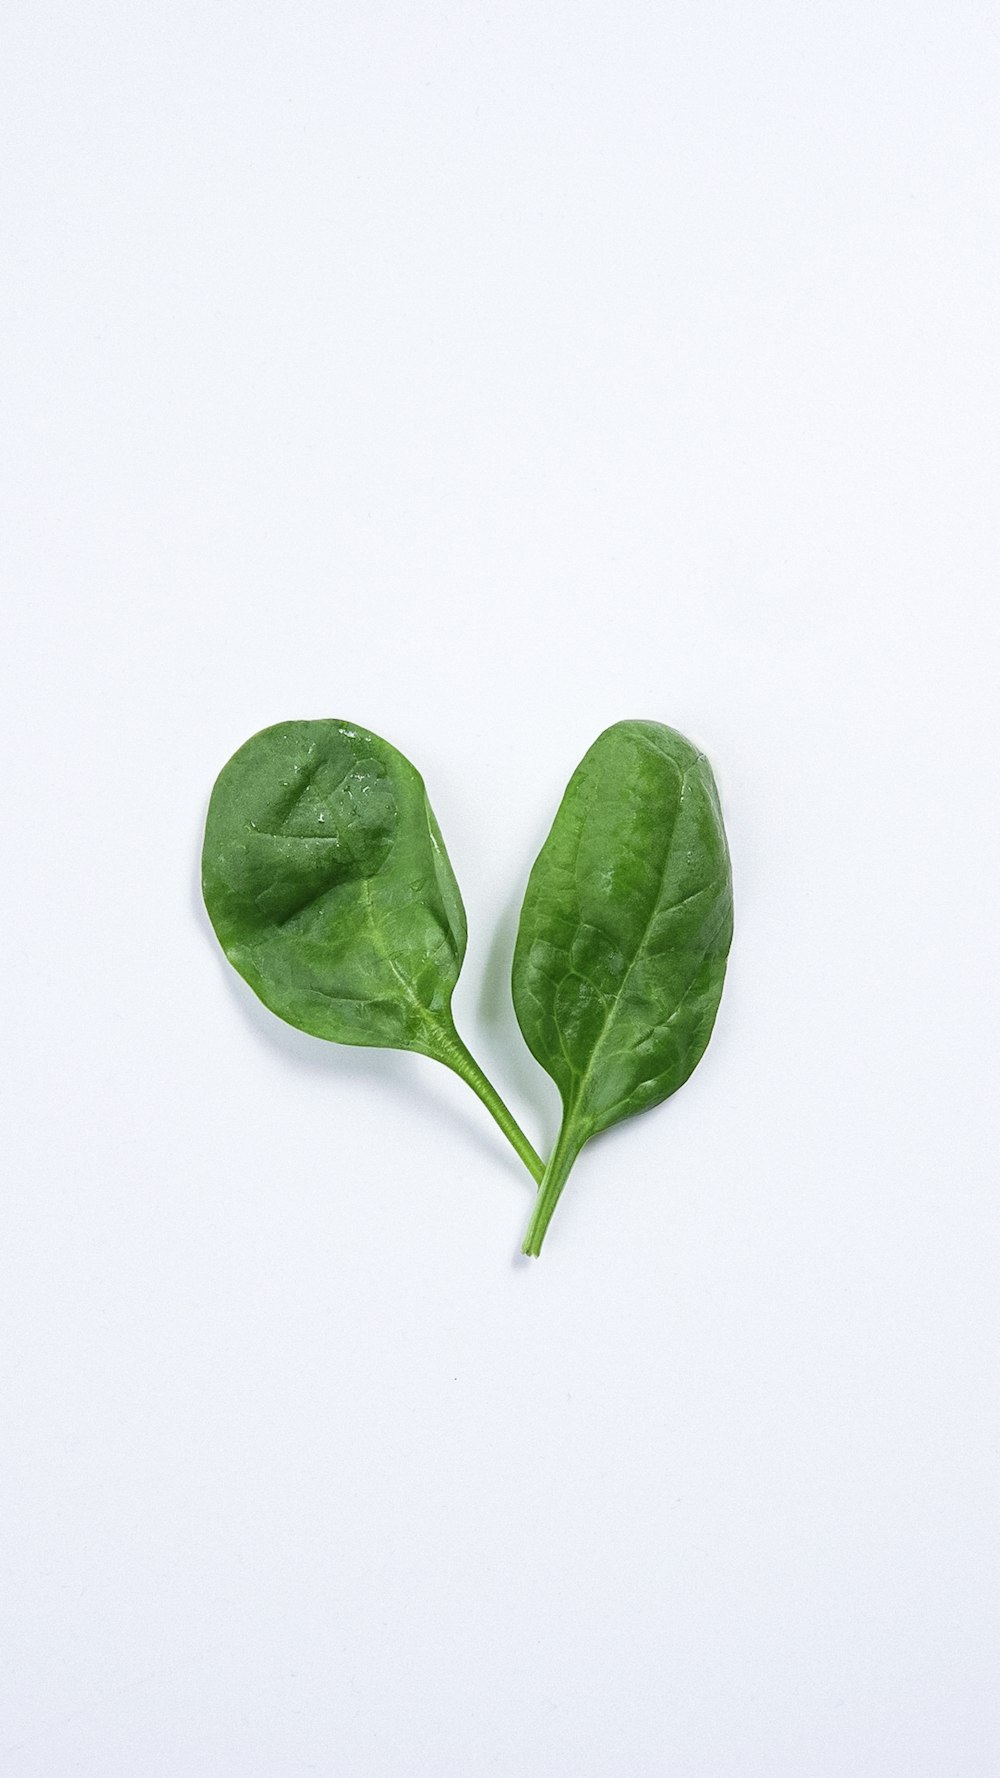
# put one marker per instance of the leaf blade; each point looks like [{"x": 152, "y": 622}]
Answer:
[{"x": 328, "y": 890}]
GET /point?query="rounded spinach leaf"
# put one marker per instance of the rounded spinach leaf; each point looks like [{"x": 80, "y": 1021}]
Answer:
[{"x": 328, "y": 885}]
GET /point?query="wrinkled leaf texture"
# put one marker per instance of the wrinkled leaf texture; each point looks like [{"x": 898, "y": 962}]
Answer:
[
  {"x": 329, "y": 887},
  {"x": 330, "y": 890}
]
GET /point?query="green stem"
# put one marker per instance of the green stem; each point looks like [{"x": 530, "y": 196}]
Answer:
[
  {"x": 457, "y": 1058},
  {"x": 556, "y": 1174}
]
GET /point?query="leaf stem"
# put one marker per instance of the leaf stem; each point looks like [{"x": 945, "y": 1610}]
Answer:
[
  {"x": 561, "y": 1159},
  {"x": 458, "y": 1059}
]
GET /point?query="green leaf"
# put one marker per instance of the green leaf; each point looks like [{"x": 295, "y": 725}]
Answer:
[
  {"x": 329, "y": 888},
  {"x": 624, "y": 933}
]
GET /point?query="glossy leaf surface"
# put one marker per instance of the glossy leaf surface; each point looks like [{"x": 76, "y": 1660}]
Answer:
[
  {"x": 328, "y": 885},
  {"x": 624, "y": 933}
]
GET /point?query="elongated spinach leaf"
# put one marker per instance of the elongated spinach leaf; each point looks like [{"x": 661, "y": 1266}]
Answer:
[
  {"x": 623, "y": 938},
  {"x": 329, "y": 888}
]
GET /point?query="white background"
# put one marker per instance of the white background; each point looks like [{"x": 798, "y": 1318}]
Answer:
[{"x": 482, "y": 376}]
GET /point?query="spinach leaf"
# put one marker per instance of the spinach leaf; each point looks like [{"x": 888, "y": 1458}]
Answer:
[
  {"x": 329, "y": 888},
  {"x": 624, "y": 933}
]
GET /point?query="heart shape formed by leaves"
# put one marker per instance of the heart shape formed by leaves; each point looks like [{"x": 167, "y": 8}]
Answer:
[{"x": 330, "y": 890}]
